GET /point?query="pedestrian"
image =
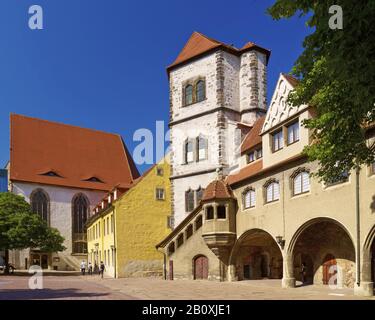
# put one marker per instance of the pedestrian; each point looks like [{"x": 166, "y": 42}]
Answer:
[
  {"x": 83, "y": 267},
  {"x": 90, "y": 268},
  {"x": 303, "y": 272},
  {"x": 102, "y": 269}
]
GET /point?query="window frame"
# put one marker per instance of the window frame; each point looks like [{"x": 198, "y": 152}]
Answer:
[
  {"x": 291, "y": 125},
  {"x": 280, "y": 140},
  {"x": 266, "y": 186},
  {"x": 244, "y": 194},
  {"x": 300, "y": 172},
  {"x": 157, "y": 193}
]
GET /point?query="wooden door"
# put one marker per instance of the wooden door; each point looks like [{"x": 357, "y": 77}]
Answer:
[
  {"x": 201, "y": 268},
  {"x": 328, "y": 269}
]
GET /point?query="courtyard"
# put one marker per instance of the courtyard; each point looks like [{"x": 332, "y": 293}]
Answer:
[{"x": 58, "y": 286}]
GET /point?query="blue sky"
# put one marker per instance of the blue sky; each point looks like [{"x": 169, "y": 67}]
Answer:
[{"x": 101, "y": 64}]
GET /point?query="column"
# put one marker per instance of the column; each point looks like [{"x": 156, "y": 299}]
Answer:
[
  {"x": 288, "y": 280},
  {"x": 366, "y": 287}
]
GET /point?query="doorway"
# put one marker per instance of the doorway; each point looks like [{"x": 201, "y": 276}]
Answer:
[
  {"x": 329, "y": 269},
  {"x": 201, "y": 268}
]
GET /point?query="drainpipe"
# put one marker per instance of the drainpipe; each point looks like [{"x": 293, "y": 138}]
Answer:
[
  {"x": 358, "y": 251},
  {"x": 115, "y": 241}
]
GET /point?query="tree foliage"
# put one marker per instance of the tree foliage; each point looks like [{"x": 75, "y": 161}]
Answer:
[
  {"x": 337, "y": 78},
  {"x": 20, "y": 228}
]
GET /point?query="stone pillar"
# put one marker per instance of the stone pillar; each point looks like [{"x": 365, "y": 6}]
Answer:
[
  {"x": 288, "y": 280},
  {"x": 231, "y": 273},
  {"x": 366, "y": 287}
]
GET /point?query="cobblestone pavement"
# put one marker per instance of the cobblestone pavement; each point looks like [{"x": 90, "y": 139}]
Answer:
[{"x": 92, "y": 287}]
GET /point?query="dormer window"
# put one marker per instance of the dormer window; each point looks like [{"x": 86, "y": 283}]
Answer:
[
  {"x": 94, "y": 179},
  {"x": 51, "y": 174}
]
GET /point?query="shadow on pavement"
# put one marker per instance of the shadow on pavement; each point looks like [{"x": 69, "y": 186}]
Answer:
[{"x": 27, "y": 294}]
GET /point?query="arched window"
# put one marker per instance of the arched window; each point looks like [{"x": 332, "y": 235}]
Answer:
[
  {"x": 202, "y": 147},
  {"x": 200, "y": 90},
  {"x": 301, "y": 182},
  {"x": 189, "y": 151},
  {"x": 249, "y": 198},
  {"x": 40, "y": 204},
  {"x": 188, "y": 94},
  {"x": 80, "y": 214},
  {"x": 189, "y": 200},
  {"x": 272, "y": 191}
]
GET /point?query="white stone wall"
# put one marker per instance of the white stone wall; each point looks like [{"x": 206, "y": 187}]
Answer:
[
  {"x": 60, "y": 210},
  {"x": 232, "y": 66}
]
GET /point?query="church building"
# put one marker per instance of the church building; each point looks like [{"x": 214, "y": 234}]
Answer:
[{"x": 63, "y": 171}]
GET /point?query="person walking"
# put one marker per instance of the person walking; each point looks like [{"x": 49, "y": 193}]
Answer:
[
  {"x": 83, "y": 267},
  {"x": 90, "y": 268},
  {"x": 102, "y": 269}
]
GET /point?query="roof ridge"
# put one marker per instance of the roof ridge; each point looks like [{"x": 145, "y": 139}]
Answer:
[{"x": 15, "y": 115}]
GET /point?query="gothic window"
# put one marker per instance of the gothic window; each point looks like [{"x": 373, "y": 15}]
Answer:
[
  {"x": 200, "y": 90},
  {"x": 189, "y": 200},
  {"x": 249, "y": 198},
  {"x": 202, "y": 147},
  {"x": 80, "y": 214},
  {"x": 301, "y": 182},
  {"x": 40, "y": 204},
  {"x": 189, "y": 151},
  {"x": 188, "y": 94},
  {"x": 272, "y": 189}
]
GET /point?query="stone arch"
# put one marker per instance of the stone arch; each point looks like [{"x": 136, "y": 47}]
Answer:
[
  {"x": 368, "y": 263},
  {"x": 313, "y": 242},
  {"x": 247, "y": 258}
]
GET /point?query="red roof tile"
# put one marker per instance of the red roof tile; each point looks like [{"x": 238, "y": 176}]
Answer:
[
  {"x": 245, "y": 172},
  {"x": 199, "y": 44},
  {"x": 75, "y": 154},
  {"x": 253, "y": 138},
  {"x": 217, "y": 189}
]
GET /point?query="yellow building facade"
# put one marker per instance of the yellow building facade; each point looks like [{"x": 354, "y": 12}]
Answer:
[{"x": 126, "y": 225}]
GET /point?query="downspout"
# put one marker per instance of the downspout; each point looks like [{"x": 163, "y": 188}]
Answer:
[
  {"x": 358, "y": 227},
  {"x": 115, "y": 240}
]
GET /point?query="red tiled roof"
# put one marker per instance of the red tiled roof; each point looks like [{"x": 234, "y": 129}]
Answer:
[
  {"x": 292, "y": 80},
  {"x": 199, "y": 44},
  {"x": 75, "y": 154},
  {"x": 253, "y": 138},
  {"x": 217, "y": 189},
  {"x": 245, "y": 172}
]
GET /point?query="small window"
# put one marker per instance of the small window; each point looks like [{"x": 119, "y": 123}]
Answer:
[
  {"x": 189, "y": 200},
  {"x": 160, "y": 172},
  {"x": 94, "y": 179},
  {"x": 251, "y": 157},
  {"x": 221, "y": 212},
  {"x": 277, "y": 141},
  {"x": 188, "y": 94},
  {"x": 160, "y": 194},
  {"x": 209, "y": 213},
  {"x": 202, "y": 148},
  {"x": 180, "y": 240},
  {"x": 301, "y": 183},
  {"x": 198, "y": 223},
  {"x": 200, "y": 91},
  {"x": 189, "y": 151},
  {"x": 259, "y": 153},
  {"x": 249, "y": 199},
  {"x": 272, "y": 191},
  {"x": 171, "y": 248},
  {"x": 170, "y": 222},
  {"x": 189, "y": 231},
  {"x": 293, "y": 132},
  {"x": 199, "y": 194}
]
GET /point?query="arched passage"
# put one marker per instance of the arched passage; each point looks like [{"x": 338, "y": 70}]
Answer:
[
  {"x": 368, "y": 264},
  {"x": 256, "y": 255},
  {"x": 323, "y": 253}
]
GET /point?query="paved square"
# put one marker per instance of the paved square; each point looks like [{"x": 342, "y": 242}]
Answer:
[{"x": 75, "y": 287}]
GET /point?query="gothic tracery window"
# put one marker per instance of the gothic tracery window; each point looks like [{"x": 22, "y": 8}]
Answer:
[
  {"x": 40, "y": 204},
  {"x": 80, "y": 214}
]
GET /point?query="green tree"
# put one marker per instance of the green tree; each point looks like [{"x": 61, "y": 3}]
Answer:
[
  {"x": 337, "y": 77},
  {"x": 20, "y": 228}
]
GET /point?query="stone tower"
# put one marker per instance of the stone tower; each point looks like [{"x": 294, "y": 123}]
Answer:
[{"x": 215, "y": 89}]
